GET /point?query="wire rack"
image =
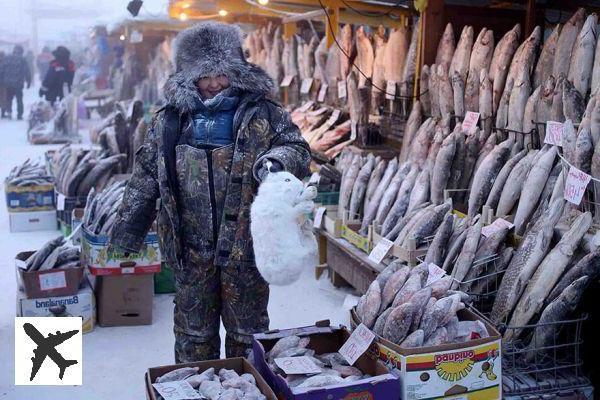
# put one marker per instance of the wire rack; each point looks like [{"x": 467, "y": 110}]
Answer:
[{"x": 483, "y": 289}]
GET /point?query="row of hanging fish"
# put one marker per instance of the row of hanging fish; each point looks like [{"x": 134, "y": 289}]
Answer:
[
  {"x": 55, "y": 254},
  {"x": 122, "y": 132},
  {"x": 76, "y": 170},
  {"x": 334, "y": 368},
  {"x": 101, "y": 208},
  {"x": 28, "y": 174},
  {"x": 225, "y": 384},
  {"x": 404, "y": 307}
]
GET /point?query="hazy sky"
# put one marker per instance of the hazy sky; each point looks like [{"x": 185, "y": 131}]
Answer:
[{"x": 54, "y": 24}]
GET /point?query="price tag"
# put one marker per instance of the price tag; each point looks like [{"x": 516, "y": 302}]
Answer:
[
  {"x": 53, "y": 280},
  {"x": 319, "y": 217},
  {"x": 390, "y": 90},
  {"x": 435, "y": 274},
  {"x": 470, "y": 122},
  {"x": 342, "y": 92},
  {"x": 297, "y": 365},
  {"x": 306, "y": 85},
  {"x": 357, "y": 344},
  {"x": 577, "y": 181},
  {"x": 322, "y": 92},
  {"x": 334, "y": 117},
  {"x": 306, "y": 106},
  {"x": 127, "y": 270},
  {"x": 496, "y": 226},
  {"x": 176, "y": 390},
  {"x": 60, "y": 202},
  {"x": 353, "y": 130},
  {"x": 554, "y": 131},
  {"x": 287, "y": 81},
  {"x": 381, "y": 250}
]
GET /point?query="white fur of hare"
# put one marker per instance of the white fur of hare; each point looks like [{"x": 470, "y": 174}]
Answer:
[{"x": 284, "y": 243}]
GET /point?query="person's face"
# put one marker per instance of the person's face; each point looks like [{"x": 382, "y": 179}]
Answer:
[{"x": 210, "y": 87}]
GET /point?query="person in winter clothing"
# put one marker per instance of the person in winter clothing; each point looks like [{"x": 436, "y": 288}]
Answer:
[
  {"x": 60, "y": 71},
  {"x": 204, "y": 156},
  {"x": 14, "y": 73},
  {"x": 43, "y": 61}
]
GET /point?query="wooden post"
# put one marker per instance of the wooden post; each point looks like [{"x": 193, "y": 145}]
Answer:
[
  {"x": 433, "y": 20},
  {"x": 334, "y": 18},
  {"x": 529, "y": 17}
]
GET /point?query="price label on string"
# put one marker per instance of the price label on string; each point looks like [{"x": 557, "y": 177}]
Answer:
[
  {"x": 297, "y": 365},
  {"x": 357, "y": 344},
  {"x": 176, "y": 390},
  {"x": 554, "y": 132},
  {"x": 306, "y": 85},
  {"x": 287, "y": 81},
  {"x": 319, "y": 217},
  {"x": 322, "y": 92},
  {"x": 390, "y": 90},
  {"x": 470, "y": 122},
  {"x": 334, "y": 117},
  {"x": 381, "y": 250},
  {"x": 342, "y": 91},
  {"x": 496, "y": 226},
  {"x": 575, "y": 185},
  {"x": 306, "y": 106},
  {"x": 435, "y": 274},
  {"x": 353, "y": 130}
]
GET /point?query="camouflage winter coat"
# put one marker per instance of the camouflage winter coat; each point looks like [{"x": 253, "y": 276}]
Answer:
[{"x": 262, "y": 129}]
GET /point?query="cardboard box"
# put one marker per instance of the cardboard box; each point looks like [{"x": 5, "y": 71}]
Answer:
[
  {"x": 124, "y": 300},
  {"x": 381, "y": 384},
  {"x": 239, "y": 365},
  {"x": 54, "y": 282},
  {"x": 350, "y": 233},
  {"x": 80, "y": 304},
  {"x": 470, "y": 371},
  {"x": 331, "y": 222},
  {"x": 101, "y": 261},
  {"x": 30, "y": 221},
  {"x": 29, "y": 198},
  {"x": 64, "y": 209}
]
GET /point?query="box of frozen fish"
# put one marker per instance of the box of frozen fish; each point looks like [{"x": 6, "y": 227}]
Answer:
[
  {"x": 59, "y": 274},
  {"x": 231, "y": 378},
  {"x": 104, "y": 261},
  {"x": 29, "y": 198},
  {"x": 431, "y": 366},
  {"x": 306, "y": 364},
  {"x": 32, "y": 221},
  {"x": 80, "y": 304}
]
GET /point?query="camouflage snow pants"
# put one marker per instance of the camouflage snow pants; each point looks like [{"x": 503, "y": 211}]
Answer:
[{"x": 205, "y": 292}]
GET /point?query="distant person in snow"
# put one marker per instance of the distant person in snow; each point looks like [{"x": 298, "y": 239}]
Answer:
[
  {"x": 60, "y": 71},
  {"x": 14, "y": 73},
  {"x": 43, "y": 61}
]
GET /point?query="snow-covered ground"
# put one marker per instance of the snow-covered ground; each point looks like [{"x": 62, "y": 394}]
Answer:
[{"x": 115, "y": 359}]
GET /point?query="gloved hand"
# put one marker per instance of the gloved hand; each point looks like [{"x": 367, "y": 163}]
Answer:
[{"x": 275, "y": 166}]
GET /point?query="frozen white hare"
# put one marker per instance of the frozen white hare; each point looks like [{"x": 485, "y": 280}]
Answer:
[{"x": 284, "y": 242}]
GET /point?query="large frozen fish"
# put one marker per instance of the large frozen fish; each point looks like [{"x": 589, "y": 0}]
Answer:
[
  {"x": 412, "y": 127},
  {"x": 544, "y": 66},
  {"x": 532, "y": 188},
  {"x": 320, "y": 61},
  {"x": 346, "y": 50},
  {"x": 407, "y": 221},
  {"x": 566, "y": 43},
  {"x": 573, "y": 102},
  {"x": 486, "y": 101},
  {"x": 522, "y": 64},
  {"x": 501, "y": 180},
  {"x": 435, "y": 252},
  {"x": 462, "y": 54},
  {"x": 365, "y": 56},
  {"x": 441, "y": 170},
  {"x": 481, "y": 57},
  {"x": 458, "y": 91},
  {"x": 360, "y": 186},
  {"x": 420, "y": 145},
  {"x": 445, "y": 49},
  {"x": 419, "y": 300},
  {"x": 398, "y": 323},
  {"x": 511, "y": 190},
  {"x": 379, "y": 84},
  {"x": 414, "y": 221},
  {"x": 588, "y": 266},
  {"x": 348, "y": 184},
  {"x": 395, "y": 53},
  {"x": 393, "y": 285},
  {"x": 420, "y": 193},
  {"x": 372, "y": 304},
  {"x": 435, "y": 314},
  {"x": 544, "y": 107},
  {"x": 371, "y": 210},
  {"x": 486, "y": 174},
  {"x": 547, "y": 274},
  {"x": 596, "y": 69},
  {"x": 446, "y": 96},
  {"x": 503, "y": 104},
  {"x": 556, "y": 111},
  {"x": 387, "y": 200},
  {"x": 582, "y": 59},
  {"x": 374, "y": 180},
  {"x": 501, "y": 60},
  {"x": 467, "y": 254},
  {"x": 428, "y": 224},
  {"x": 454, "y": 248},
  {"x": 400, "y": 206},
  {"x": 529, "y": 118},
  {"x": 424, "y": 91},
  {"x": 434, "y": 91},
  {"x": 413, "y": 340},
  {"x": 584, "y": 150},
  {"x": 408, "y": 72},
  {"x": 516, "y": 108}
]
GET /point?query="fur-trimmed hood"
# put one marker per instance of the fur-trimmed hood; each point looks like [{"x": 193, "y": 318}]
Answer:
[{"x": 211, "y": 49}]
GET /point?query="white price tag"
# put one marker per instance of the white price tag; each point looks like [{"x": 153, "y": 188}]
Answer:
[
  {"x": 127, "y": 270},
  {"x": 306, "y": 106},
  {"x": 342, "y": 92},
  {"x": 435, "y": 274},
  {"x": 470, "y": 122},
  {"x": 60, "y": 202},
  {"x": 319, "y": 217},
  {"x": 297, "y": 365},
  {"x": 53, "y": 280},
  {"x": 554, "y": 131},
  {"x": 353, "y": 130},
  {"x": 381, "y": 250},
  {"x": 322, "y": 92},
  {"x": 496, "y": 226},
  {"x": 287, "y": 80},
  {"x": 306, "y": 85},
  {"x": 390, "y": 90},
  {"x": 357, "y": 344},
  {"x": 577, "y": 181},
  {"x": 176, "y": 390}
]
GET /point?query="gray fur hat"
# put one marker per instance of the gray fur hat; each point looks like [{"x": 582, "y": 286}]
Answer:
[{"x": 211, "y": 49}]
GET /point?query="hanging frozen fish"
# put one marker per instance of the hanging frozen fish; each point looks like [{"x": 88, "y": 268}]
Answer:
[
  {"x": 379, "y": 85},
  {"x": 445, "y": 49},
  {"x": 364, "y": 57},
  {"x": 481, "y": 58},
  {"x": 390, "y": 193},
  {"x": 360, "y": 186},
  {"x": 374, "y": 179},
  {"x": 516, "y": 109},
  {"x": 347, "y": 185},
  {"x": 446, "y": 97},
  {"x": 582, "y": 60},
  {"x": 544, "y": 66},
  {"x": 566, "y": 43},
  {"x": 501, "y": 60},
  {"x": 395, "y": 54},
  {"x": 371, "y": 210},
  {"x": 400, "y": 206},
  {"x": 529, "y": 118},
  {"x": 462, "y": 54},
  {"x": 320, "y": 61},
  {"x": 408, "y": 72},
  {"x": 485, "y": 101},
  {"x": 441, "y": 170}
]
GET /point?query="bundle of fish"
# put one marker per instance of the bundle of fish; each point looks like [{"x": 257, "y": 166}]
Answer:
[
  {"x": 40, "y": 113},
  {"x": 101, "y": 208},
  {"x": 224, "y": 385},
  {"x": 28, "y": 174},
  {"x": 77, "y": 171},
  {"x": 122, "y": 132},
  {"x": 326, "y": 135},
  {"x": 402, "y": 307},
  {"x": 55, "y": 254},
  {"x": 334, "y": 368},
  {"x": 61, "y": 128}
]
